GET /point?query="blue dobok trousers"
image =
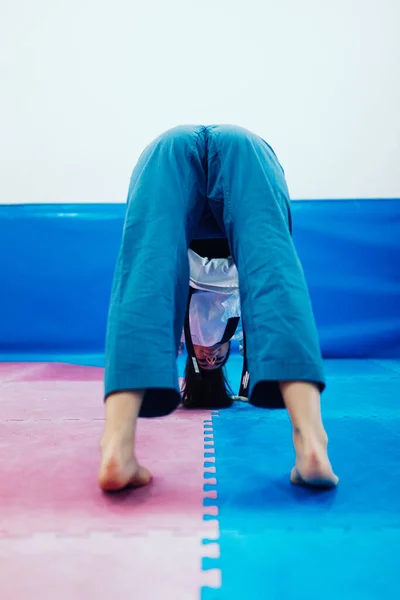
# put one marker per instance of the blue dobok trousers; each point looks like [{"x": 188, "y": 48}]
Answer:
[{"x": 185, "y": 177}]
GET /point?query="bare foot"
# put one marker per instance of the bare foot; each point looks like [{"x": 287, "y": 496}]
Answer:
[
  {"x": 313, "y": 467},
  {"x": 119, "y": 468}
]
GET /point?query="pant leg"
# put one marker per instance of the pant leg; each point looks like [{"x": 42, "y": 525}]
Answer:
[
  {"x": 282, "y": 341},
  {"x": 149, "y": 296}
]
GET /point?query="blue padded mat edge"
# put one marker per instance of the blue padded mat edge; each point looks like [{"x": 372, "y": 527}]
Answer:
[{"x": 57, "y": 263}]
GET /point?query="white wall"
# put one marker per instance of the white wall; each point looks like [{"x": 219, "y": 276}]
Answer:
[{"x": 85, "y": 84}]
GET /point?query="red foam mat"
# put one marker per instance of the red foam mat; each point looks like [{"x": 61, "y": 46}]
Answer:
[{"x": 60, "y": 536}]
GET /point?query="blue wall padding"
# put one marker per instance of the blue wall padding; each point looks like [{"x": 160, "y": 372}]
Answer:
[{"x": 57, "y": 263}]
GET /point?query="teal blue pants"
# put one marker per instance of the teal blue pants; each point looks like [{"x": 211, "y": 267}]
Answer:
[{"x": 180, "y": 176}]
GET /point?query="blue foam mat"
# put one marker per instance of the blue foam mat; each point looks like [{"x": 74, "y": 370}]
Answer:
[
  {"x": 283, "y": 542},
  {"x": 329, "y": 564}
]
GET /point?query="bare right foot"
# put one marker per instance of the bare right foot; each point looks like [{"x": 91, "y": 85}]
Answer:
[
  {"x": 313, "y": 467},
  {"x": 119, "y": 468}
]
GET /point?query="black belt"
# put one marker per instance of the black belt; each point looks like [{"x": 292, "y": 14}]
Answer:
[{"x": 229, "y": 332}]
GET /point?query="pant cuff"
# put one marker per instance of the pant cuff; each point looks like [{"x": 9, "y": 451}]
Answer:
[
  {"x": 161, "y": 390},
  {"x": 264, "y": 381}
]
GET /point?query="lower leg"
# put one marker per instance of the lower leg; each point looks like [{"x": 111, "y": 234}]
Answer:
[
  {"x": 312, "y": 467},
  {"x": 165, "y": 201},
  {"x": 282, "y": 338},
  {"x": 119, "y": 467}
]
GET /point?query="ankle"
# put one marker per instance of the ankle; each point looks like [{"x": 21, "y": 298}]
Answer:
[
  {"x": 112, "y": 436},
  {"x": 122, "y": 411},
  {"x": 310, "y": 437},
  {"x": 123, "y": 405}
]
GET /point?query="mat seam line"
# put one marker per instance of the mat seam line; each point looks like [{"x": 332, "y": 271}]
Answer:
[{"x": 212, "y": 576}]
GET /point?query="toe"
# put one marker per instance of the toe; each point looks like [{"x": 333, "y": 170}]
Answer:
[
  {"x": 141, "y": 477},
  {"x": 295, "y": 477},
  {"x": 321, "y": 481}
]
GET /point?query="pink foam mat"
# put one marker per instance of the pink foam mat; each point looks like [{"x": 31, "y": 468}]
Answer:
[
  {"x": 48, "y": 372},
  {"x": 59, "y": 529}
]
